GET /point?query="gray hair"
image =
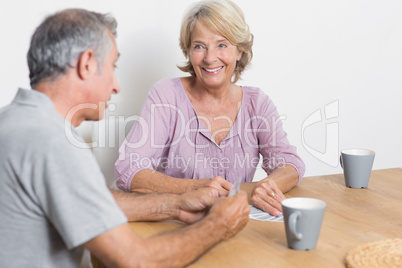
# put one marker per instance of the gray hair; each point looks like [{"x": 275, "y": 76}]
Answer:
[{"x": 62, "y": 37}]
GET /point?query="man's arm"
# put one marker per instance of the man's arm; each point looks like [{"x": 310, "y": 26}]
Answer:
[
  {"x": 188, "y": 207},
  {"x": 121, "y": 247}
]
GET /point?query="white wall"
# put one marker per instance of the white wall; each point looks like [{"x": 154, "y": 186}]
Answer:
[{"x": 344, "y": 56}]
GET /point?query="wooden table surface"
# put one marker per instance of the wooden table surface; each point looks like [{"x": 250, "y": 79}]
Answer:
[{"x": 352, "y": 217}]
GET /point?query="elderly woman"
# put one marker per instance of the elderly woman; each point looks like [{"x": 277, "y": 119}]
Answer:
[{"x": 204, "y": 130}]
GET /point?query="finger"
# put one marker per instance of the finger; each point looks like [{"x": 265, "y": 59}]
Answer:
[
  {"x": 226, "y": 185},
  {"x": 278, "y": 193},
  {"x": 223, "y": 193},
  {"x": 197, "y": 200},
  {"x": 213, "y": 192},
  {"x": 191, "y": 217},
  {"x": 272, "y": 200},
  {"x": 266, "y": 191},
  {"x": 215, "y": 184},
  {"x": 262, "y": 200},
  {"x": 272, "y": 195},
  {"x": 266, "y": 206},
  {"x": 209, "y": 196},
  {"x": 208, "y": 201},
  {"x": 223, "y": 183},
  {"x": 216, "y": 193}
]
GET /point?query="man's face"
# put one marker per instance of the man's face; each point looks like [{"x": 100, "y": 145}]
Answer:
[{"x": 103, "y": 85}]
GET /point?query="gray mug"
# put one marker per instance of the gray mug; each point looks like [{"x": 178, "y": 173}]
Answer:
[
  {"x": 303, "y": 218},
  {"x": 357, "y": 165}
]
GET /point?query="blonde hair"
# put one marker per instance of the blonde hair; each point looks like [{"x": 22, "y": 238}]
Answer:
[{"x": 227, "y": 19}]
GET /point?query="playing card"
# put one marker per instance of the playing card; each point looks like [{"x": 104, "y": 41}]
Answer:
[{"x": 235, "y": 187}]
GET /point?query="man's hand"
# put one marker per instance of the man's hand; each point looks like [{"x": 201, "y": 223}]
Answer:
[
  {"x": 267, "y": 196},
  {"x": 231, "y": 213},
  {"x": 193, "y": 206},
  {"x": 219, "y": 183}
]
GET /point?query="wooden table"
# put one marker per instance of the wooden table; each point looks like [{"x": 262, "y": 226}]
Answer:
[{"x": 352, "y": 217}]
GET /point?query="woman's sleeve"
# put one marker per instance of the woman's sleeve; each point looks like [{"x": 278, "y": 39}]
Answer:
[
  {"x": 146, "y": 142},
  {"x": 273, "y": 143}
]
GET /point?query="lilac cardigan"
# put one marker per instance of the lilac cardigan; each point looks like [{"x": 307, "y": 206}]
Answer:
[{"x": 169, "y": 137}]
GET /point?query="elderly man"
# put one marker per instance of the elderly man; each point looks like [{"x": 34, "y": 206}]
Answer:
[{"x": 54, "y": 204}]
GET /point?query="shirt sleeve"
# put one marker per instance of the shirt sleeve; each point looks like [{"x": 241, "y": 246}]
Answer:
[
  {"x": 148, "y": 139},
  {"x": 72, "y": 192},
  {"x": 273, "y": 143}
]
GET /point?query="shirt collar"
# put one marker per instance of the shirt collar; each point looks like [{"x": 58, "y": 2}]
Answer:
[{"x": 33, "y": 98}]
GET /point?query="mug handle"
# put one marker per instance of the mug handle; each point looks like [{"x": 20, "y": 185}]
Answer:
[
  {"x": 340, "y": 160},
  {"x": 292, "y": 225}
]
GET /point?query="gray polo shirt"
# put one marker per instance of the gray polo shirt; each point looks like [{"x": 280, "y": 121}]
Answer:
[{"x": 53, "y": 196}]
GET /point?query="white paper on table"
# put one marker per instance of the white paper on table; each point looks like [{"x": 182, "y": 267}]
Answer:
[{"x": 260, "y": 215}]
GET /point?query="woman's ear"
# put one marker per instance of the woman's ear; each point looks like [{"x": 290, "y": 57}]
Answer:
[
  {"x": 239, "y": 54},
  {"x": 86, "y": 64}
]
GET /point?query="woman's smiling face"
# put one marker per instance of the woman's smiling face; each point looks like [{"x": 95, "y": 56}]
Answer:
[{"x": 212, "y": 56}]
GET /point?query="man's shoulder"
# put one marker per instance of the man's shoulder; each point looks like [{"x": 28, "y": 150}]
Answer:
[{"x": 30, "y": 125}]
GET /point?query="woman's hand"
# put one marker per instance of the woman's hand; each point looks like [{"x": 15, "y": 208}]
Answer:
[
  {"x": 194, "y": 205},
  {"x": 219, "y": 183},
  {"x": 267, "y": 196}
]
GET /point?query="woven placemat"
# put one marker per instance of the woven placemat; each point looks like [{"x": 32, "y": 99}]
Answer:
[{"x": 382, "y": 254}]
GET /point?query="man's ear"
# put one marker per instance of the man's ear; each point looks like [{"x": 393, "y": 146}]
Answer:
[{"x": 86, "y": 64}]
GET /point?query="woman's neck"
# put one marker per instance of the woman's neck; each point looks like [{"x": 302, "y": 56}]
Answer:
[{"x": 227, "y": 93}]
